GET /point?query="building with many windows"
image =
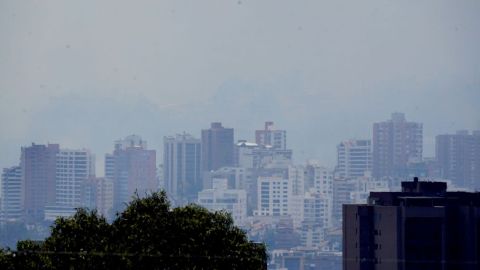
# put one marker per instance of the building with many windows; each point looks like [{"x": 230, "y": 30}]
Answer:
[
  {"x": 458, "y": 156},
  {"x": 134, "y": 171},
  {"x": 11, "y": 194},
  {"x": 237, "y": 178},
  {"x": 274, "y": 194},
  {"x": 182, "y": 172},
  {"x": 354, "y": 158},
  {"x": 220, "y": 197},
  {"x": 97, "y": 193},
  {"x": 72, "y": 167},
  {"x": 319, "y": 179},
  {"x": 309, "y": 207},
  {"x": 422, "y": 227},
  {"x": 394, "y": 143},
  {"x": 38, "y": 163},
  {"x": 217, "y": 147},
  {"x": 271, "y": 136},
  {"x": 251, "y": 155}
]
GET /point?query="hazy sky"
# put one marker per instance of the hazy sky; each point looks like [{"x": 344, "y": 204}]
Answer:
[{"x": 84, "y": 73}]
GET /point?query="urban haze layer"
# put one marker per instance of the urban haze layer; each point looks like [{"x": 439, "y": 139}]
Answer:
[{"x": 290, "y": 207}]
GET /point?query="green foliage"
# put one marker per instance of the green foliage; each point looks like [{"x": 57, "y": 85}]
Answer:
[{"x": 147, "y": 234}]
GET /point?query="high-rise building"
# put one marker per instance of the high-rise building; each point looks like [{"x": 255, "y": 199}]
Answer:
[
  {"x": 182, "y": 175},
  {"x": 217, "y": 147},
  {"x": 421, "y": 227},
  {"x": 134, "y": 171},
  {"x": 394, "y": 143},
  {"x": 271, "y": 136},
  {"x": 354, "y": 158},
  {"x": 38, "y": 180},
  {"x": 11, "y": 193},
  {"x": 254, "y": 176},
  {"x": 459, "y": 157},
  {"x": 311, "y": 208},
  {"x": 128, "y": 142},
  {"x": 318, "y": 179},
  {"x": 72, "y": 167},
  {"x": 274, "y": 194},
  {"x": 97, "y": 193}
]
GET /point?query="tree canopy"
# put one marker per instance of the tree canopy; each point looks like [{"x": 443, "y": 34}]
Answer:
[{"x": 147, "y": 234}]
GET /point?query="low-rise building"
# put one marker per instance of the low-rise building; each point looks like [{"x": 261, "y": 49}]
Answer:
[{"x": 220, "y": 197}]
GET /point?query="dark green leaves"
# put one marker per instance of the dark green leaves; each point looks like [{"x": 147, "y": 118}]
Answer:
[{"x": 147, "y": 234}]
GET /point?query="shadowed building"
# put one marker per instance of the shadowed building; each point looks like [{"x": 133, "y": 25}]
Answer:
[
  {"x": 182, "y": 166},
  {"x": 459, "y": 157},
  {"x": 217, "y": 147},
  {"x": 134, "y": 171},
  {"x": 422, "y": 227},
  {"x": 38, "y": 180},
  {"x": 394, "y": 143}
]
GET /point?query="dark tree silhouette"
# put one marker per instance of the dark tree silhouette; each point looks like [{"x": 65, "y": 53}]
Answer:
[{"x": 147, "y": 234}]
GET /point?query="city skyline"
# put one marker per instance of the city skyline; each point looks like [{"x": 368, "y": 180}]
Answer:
[{"x": 282, "y": 115}]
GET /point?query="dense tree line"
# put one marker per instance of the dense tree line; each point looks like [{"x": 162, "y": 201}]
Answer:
[{"x": 147, "y": 234}]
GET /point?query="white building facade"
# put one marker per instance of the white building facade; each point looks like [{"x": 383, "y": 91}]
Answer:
[
  {"x": 11, "y": 193},
  {"x": 274, "y": 194},
  {"x": 354, "y": 158},
  {"x": 220, "y": 197},
  {"x": 72, "y": 167}
]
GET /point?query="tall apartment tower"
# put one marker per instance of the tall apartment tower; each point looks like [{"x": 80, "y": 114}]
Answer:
[
  {"x": 38, "y": 180},
  {"x": 421, "y": 227},
  {"x": 72, "y": 167},
  {"x": 11, "y": 193},
  {"x": 394, "y": 143},
  {"x": 134, "y": 169},
  {"x": 182, "y": 166},
  {"x": 354, "y": 158},
  {"x": 271, "y": 136},
  {"x": 217, "y": 147},
  {"x": 459, "y": 157}
]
